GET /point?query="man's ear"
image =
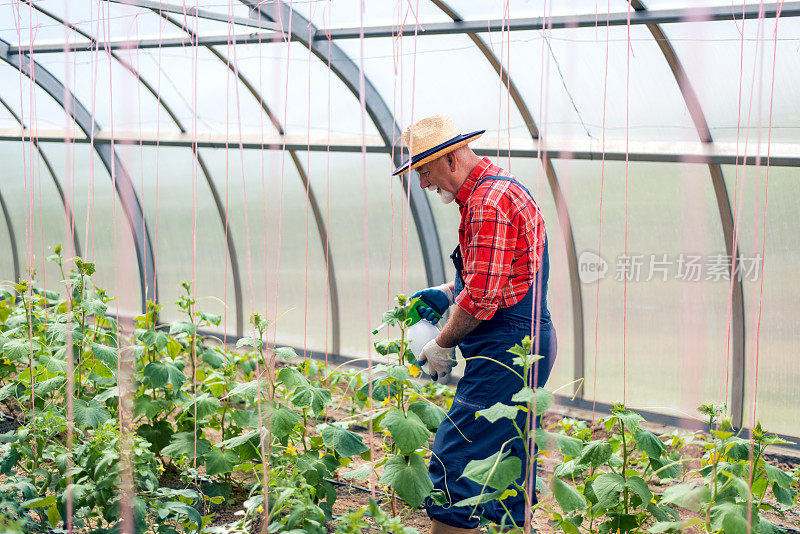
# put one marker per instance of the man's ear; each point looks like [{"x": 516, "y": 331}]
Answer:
[{"x": 451, "y": 161}]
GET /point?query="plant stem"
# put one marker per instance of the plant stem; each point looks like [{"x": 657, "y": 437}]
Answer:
[{"x": 624, "y": 467}]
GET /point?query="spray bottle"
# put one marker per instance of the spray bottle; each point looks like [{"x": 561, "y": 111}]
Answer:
[{"x": 420, "y": 331}]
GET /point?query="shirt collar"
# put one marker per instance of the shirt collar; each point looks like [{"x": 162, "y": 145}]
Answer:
[{"x": 472, "y": 180}]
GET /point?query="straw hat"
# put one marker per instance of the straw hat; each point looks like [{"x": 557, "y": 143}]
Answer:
[{"x": 431, "y": 138}]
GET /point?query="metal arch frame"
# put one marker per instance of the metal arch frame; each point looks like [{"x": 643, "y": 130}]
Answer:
[
  {"x": 349, "y": 73},
  {"x": 120, "y": 177},
  {"x": 11, "y": 237},
  {"x": 237, "y": 287},
  {"x": 189, "y": 11},
  {"x": 558, "y": 197},
  {"x": 781, "y": 155},
  {"x": 312, "y": 199},
  {"x": 67, "y": 209},
  {"x": 725, "y": 213},
  {"x": 660, "y": 16}
]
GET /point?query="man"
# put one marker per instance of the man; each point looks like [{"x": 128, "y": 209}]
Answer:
[{"x": 500, "y": 290}]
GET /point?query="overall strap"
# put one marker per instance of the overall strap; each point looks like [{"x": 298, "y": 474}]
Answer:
[{"x": 504, "y": 179}]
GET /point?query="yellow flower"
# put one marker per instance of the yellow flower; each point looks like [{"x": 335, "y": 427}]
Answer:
[
  {"x": 414, "y": 370},
  {"x": 291, "y": 449},
  {"x": 386, "y": 401},
  {"x": 386, "y": 432},
  {"x": 260, "y": 509}
]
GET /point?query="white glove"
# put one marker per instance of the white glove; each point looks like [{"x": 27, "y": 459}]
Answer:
[{"x": 439, "y": 360}]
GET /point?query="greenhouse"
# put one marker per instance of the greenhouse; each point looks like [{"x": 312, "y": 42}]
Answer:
[{"x": 230, "y": 299}]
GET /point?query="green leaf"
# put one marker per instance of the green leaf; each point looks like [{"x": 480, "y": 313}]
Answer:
[
  {"x": 732, "y": 515},
  {"x": 160, "y": 374},
  {"x": 184, "y": 510},
  {"x": 59, "y": 332},
  {"x": 249, "y": 389},
  {"x": 48, "y": 386},
  {"x": 431, "y": 415},
  {"x": 211, "y": 318},
  {"x": 409, "y": 477},
  {"x": 343, "y": 441},
  {"x": 206, "y": 405},
  {"x": 648, "y": 443},
  {"x": 569, "y": 446},
  {"x": 777, "y": 476},
  {"x": 766, "y": 527},
  {"x": 408, "y": 431},
  {"x": 544, "y": 400},
  {"x": 498, "y": 411},
  {"x": 524, "y": 396},
  {"x": 249, "y": 342},
  {"x": 498, "y": 471},
  {"x": 482, "y": 498},
  {"x": 181, "y": 327},
  {"x": 687, "y": 496},
  {"x": 20, "y": 349},
  {"x": 784, "y": 496},
  {"x": 91, "y": 414},
  {"x": 95, "y": 307},
  {"x": 183, "y": 444},
  {"x": 214, "y": 358},
  {"x": 595, "y": 454},
  {"x": 219, "y": 462},
  {"x": 675, "y": 526},
  {"x": 107, "y": 355},
  {"x": 639, "y": 486},
  {"x": 568, "y": 498},
  {"x": 307, "y": 395},
  {"x": 237, "y": 441},
  {"x": 734, "y": 524},
  {"x": 40, "y": 502},
  {"x": 380, "y": 392},
  {"x": 607, "y": 487},
  {"x": 283, "y": 420},
  {"x": 286, "y": 353},
  {"x": 53, "y": 516},
  {"x": 291, "y": 377},
  {"x": 398, "y": 372},
  {"x": 158, "y": 434},
  {"x": 245, "y": 418},
  {"x": 657, "y": 512},
  {"x": 667, "y": 468},
  {"x": 359, "y": 474}
]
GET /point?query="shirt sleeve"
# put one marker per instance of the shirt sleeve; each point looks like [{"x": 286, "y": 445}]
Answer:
[{"x": 487, "y": 260}]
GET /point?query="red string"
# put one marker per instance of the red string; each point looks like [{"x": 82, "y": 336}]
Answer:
[
  {"x": 627, "y": 162},
  {"x": 362, "y": 102},
  {"x": 764, "y": 222},
  {"x": 266, "y": 452},
  {"x": 737, "y": 203},
  {"x": 600, "y": 218},
  {"x": 308, "y": 187},
  {"x": 326, "y": 13},
  {"x": 287, "y": 40}
]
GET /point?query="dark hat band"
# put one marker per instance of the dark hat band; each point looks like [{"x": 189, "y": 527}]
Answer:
[{"x": 438, "y": 148}]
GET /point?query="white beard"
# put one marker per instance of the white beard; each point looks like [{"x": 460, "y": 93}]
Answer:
[{"x": 445, "y": 196}]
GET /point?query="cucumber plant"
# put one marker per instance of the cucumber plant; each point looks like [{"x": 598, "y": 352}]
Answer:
[{"x": 407, "y": 417}]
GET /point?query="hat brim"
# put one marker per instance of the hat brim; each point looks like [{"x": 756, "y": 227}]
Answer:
[{"x": 437, "y": 151}]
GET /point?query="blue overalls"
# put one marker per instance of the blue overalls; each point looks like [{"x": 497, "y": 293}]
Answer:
[{"x": 485, "y": 383}]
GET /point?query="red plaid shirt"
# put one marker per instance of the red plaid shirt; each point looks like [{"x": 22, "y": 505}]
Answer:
[{"x": 502, "y": 241}]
